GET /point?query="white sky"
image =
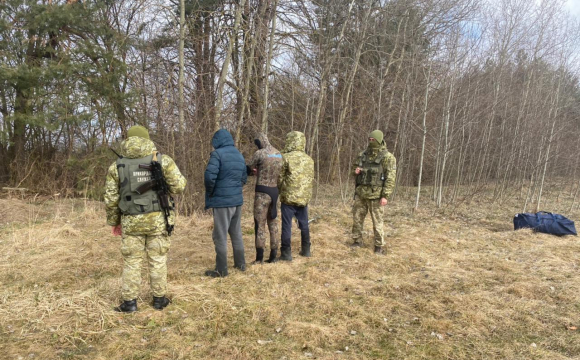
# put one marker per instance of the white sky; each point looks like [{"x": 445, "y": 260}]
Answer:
[{"x": 574, "y": 7}]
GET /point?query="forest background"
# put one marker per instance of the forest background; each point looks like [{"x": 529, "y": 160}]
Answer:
[
  {"x": 471, "y": 94},
  {"x": 479, "y": 101}
]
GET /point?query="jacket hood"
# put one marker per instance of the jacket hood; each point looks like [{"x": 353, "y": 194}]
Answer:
[
  {"x": 222, "y": 138},
  {"x": 136, "y": 147},
  {"x": 263, "y": 139},
  {"x": 295, "y": 141}
]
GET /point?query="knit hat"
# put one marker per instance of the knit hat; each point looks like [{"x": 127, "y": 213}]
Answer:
[
  {"x": 138, "y": 131},
  {"x": 377, "y": 135}
]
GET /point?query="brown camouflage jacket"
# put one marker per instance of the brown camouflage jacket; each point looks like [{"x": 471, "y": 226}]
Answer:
[
  {"x": 297, "y": 173},
  {"x": 389, "y": 165},
  {"x": 268, "y": 162},
  {"x": 143, "y": 224}
]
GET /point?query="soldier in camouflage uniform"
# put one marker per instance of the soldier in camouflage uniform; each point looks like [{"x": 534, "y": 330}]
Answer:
[
  {"x": 266, "y": 164},
  {"x": 295, "y": 186},
  {"x": 138, "y": 217},
  {"x": 375, "y": 170}
]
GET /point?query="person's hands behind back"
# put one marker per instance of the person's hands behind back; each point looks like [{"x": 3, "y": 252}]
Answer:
[{"x": 117, "y": 230}]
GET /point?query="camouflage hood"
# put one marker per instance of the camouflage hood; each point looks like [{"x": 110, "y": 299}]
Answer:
[
  {"x": 267, "y": 160},
  {"x": 295, "y": 141},
  {"x": 297, "y": 173},
  {"x": 137, "y": 147},
  {"x": 264, "y": 142}
]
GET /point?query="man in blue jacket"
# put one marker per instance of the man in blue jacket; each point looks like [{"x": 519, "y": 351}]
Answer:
[{"x": 224, "y": 177}]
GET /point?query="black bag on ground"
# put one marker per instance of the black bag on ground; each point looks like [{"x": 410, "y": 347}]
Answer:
[{"x": 545, "y": 222}]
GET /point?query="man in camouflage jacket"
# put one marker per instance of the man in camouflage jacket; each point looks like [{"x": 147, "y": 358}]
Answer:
[
  {"x": 138, "y": 218},
  {"x": 265, "y": 164},
  {"x": 295, "y": 186},
  {"x": 375, "y": 170}
]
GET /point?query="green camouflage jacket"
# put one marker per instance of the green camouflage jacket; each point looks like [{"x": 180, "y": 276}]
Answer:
[
  {"x": 297, "y": 173},
  {"x": 143, "y": 224},
  {"x": 389, "y": 169}
]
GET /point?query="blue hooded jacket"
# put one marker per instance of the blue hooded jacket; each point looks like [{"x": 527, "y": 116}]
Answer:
[{"x": 225, "y": 173}]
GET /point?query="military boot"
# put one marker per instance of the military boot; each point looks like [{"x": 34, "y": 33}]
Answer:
[
  {"x": 273, "y": 254},
  {"x": 259, "y": 256},
  {"x": 379, "y": 250},
  {"x": 286, "y": 254},
  {"x": 127, "y": 306},
  {"x": 160, "y": 302}
]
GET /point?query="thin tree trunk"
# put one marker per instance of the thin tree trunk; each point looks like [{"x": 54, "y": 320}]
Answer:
[
  {"x": 424, "y": 137},
  {"x": 554, "y": 111},
  {"x": 267, "y": 75},
  {"x": 323, "y": 83},
  {"x": 225, "y": 67},
  {"x": 345, "y": 99},
  {"x": 249, "y": 60},
  {"x": 181, "y": 66}
]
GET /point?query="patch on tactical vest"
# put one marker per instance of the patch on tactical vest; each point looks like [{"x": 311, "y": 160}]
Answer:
[{"x": 131, "y": 177}]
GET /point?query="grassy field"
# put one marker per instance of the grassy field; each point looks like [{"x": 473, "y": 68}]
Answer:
[{"x": 456, "y": 284}]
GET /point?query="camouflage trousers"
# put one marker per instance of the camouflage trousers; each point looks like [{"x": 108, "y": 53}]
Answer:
[
  {"x": 134, "y": 248},
  {"x": 262, "y": 218},
  {"x": 359, "y": 212}
]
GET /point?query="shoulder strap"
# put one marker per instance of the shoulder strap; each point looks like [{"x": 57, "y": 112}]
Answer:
[
  {"x": 381, "y": 155},
  {"x": 363, "y": 157}
]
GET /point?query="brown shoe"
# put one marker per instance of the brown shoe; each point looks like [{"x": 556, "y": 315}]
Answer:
[{"x": 379, "y": 250}]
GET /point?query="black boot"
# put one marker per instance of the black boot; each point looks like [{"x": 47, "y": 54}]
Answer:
[
  {"x": 215, "y": 273},
  {"x": 160, "y": 302},
  {"x": 273, "y": 254},
  {"x": 379, "y": 250},
  {"x": 286, "y": 254},
  {"x": 305, "y": 244},
  {"x": 127, "y": 306},
  {"x": 305, "y": 250},
  {"x": 259, "y": 256}
]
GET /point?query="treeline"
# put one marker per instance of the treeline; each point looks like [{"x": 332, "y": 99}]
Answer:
[{"x": 469, "y": 93}]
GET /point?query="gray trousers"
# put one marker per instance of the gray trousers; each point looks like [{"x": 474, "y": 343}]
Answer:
[{"x": 228, "y": 220}]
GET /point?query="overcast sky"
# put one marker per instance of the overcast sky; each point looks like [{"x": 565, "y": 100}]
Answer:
[{"x": 574, "y": 6}]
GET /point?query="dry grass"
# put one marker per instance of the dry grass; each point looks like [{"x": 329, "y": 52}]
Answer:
[{"x": 455, "y": 285}]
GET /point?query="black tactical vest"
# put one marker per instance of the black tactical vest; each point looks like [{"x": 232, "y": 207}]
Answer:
[
  {"x": 373, "y": 173},
  {"x": 130, "y": 178}
]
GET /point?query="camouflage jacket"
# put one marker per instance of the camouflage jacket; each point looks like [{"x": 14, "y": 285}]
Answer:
[
  {"x": 267, "y": 161},
  {"x": 389, "y": 170},
  {"x": 297, "y": 172},
  {"x": 143, "y": 224}
]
